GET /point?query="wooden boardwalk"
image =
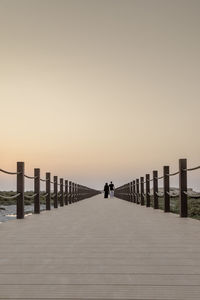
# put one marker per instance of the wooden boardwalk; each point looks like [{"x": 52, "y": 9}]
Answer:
[{"x": 100, "y": 249}]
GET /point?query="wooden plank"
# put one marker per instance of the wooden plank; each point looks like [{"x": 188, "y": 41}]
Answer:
[
  {"x": 100, "y": 249},
  {"x": 101, "y": 279},
  {"x": 98, "y": 261},
  {"x": 99, "y": 292},
  {"x": 111, "y": 269}
]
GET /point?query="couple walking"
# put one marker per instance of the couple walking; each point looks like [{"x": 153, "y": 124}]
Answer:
[{"x": 109, "y": 189}]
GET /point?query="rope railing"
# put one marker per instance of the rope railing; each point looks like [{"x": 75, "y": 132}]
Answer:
[
  {"x": 159, "y": 194},
  {"x": 10, "y": 197},
  {"x": 30, "y": 196},
  {"x": 173, "y": 174},
  {"x": 158, "y": 178},
  {"x": 30, "y": 177},
  {"x": 45, "y": 195},
  {"x": 10, "y": 173},
  {"x": 68, "y": 193},
  {"x": 134, "y": 190},
  {"x": 43, "y": 180},
  {"x": 192, "y": 169},
  {"x": 192, "y": 196},
  {"x": 171, "y": 195}
]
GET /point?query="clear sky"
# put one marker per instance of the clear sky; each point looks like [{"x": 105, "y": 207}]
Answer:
[{"x": 99, "y": 90}]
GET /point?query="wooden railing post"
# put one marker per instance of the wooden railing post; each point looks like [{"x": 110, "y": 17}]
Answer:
[
  {"x": 126, "y": 197},
  {"x": 166, "y": 189},
  {"x": 48, "y": 191},
  {"x": 131, "y": 191},
  {"x": 155, "y": 189},
  {"x": 20, "y": 189},
  {"x": 183, "y": 188},
  {"x": 122, "y": 192},
  {"x": 70, "y": 192},
  {"x": 137, "y": 191},
  {"x": 77, "y": 190},
  {"x": 55, "y": 180},
  {"x": 142, "y": 190},
  {"x": 61, "y": 193},
  {"x": 80, "y": 192},
  {"x": 134, "y": 198},
  {"x": 74, "y": 192},
  {"x": 37, "y": 191},
  {"x": 66, "y": 192},
  {"x": 76, "y": 196},
  {"x": 148, "y": 198}
]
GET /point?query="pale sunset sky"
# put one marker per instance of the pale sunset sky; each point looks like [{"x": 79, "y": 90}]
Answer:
[{"x": 99, "y": 90}]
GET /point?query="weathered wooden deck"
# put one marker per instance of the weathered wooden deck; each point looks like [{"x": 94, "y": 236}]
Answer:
[{"x": 100, "y": 249}]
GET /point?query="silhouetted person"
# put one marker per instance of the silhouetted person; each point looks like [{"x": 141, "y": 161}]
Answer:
[
  {"x": 106, "y": 190},
  {"x": 111, "y": 187}
]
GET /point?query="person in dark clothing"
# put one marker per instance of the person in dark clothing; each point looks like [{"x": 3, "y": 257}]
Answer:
[
  {"x": 106, "y": 190},
  {"x": 111, "y": 187}
]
